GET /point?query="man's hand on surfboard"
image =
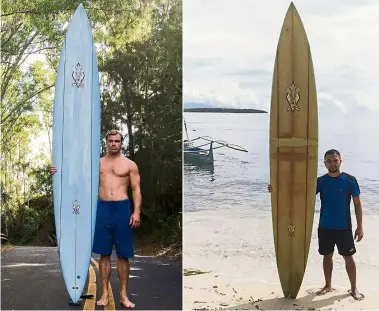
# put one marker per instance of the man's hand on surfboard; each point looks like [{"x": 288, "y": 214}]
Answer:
[
  {"x": 134, "y": 220},
  {"x": 53, "y": 170},
  {"x": 269, "y": 188}
]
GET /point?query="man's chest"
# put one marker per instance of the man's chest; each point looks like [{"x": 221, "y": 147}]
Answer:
[
  {"x": 334, "y": 189},
  {"x": 116, "y": 169}
]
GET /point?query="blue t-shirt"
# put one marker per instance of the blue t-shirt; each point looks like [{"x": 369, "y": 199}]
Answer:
[{"x": 335, "y": 195}]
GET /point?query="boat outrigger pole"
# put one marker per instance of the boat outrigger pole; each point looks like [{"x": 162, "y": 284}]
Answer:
[{"x": 205, "y": 155}]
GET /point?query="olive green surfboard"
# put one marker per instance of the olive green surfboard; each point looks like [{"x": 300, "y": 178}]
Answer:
[{"x": 293, "y": 152}]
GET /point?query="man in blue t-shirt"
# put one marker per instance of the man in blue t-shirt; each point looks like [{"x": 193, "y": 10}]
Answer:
[{"x": 336, "y": 190}]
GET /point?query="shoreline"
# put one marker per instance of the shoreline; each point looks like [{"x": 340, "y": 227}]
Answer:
[
  {"x": 209, "y": 291},
  {"x": 224, "y": 110}
]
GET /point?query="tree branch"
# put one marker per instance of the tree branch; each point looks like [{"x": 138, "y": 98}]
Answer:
[
  {"x": 4, "y": 118},
  {"x": 14, "y": 31},
  {"x": 11, "y": 69},
  {"x": 3, "y": 136}
]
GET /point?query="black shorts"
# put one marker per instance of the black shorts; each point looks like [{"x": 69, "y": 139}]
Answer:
[{"x": 343, "y": 238}]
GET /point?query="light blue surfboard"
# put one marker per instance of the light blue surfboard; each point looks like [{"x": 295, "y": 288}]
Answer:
[{"x": 76, "y": 152}]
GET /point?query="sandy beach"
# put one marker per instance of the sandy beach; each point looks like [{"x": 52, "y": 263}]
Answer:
[
  {"x": 211, "y": 292},
  {"x": 227, "y": 225},
  {"x": 241, "y": 266}
]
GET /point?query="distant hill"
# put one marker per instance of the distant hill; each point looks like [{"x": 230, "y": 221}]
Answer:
[
  {"x": 199, "y": 105},
  {"x": 223, "y": 110}
]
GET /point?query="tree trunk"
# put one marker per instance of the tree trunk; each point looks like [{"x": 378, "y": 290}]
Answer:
[{"x": 129, "y": 123}]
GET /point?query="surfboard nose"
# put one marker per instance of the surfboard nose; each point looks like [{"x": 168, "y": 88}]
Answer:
[
  {"x": 80, "y": 8},
  {"x": 79, "y": 15}
]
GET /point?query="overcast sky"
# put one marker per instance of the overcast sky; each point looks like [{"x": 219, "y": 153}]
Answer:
[{"x": 229, "y": 48}]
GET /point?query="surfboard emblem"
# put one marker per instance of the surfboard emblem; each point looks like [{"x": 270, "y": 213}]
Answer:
[
  {"x": 293, "y": 97},
  {"x": 291, "y": 230},
  {"x": 75, "y": 207},
  {"x": 78, "y": 75}
]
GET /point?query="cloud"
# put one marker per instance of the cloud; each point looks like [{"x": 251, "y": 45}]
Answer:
[{"x": 229, "y": 49}]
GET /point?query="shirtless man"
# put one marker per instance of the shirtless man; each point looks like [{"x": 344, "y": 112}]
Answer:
[
  {"x": 115, "y": 220},
  {"x": 336, "y": 190}
]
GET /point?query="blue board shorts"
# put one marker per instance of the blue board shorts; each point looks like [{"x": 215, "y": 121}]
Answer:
[{"x": 112, "y": 228}]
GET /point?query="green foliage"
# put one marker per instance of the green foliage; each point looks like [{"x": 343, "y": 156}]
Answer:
[{"x": 41, "y": 185}]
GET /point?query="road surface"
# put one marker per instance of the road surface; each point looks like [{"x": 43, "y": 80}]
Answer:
[{"x": 31, "y": 280}]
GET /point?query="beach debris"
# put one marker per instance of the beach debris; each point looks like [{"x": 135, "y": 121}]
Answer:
[
  {"x": 215, "y": 286},
  {"x": 252, "y": 301},
  {"x": 199, "y": 301},
  {"x": 224, "y": 304},
  {"x": 189, "y": 272},
  {"x": 220, "y": 293},
  {"x": 234, "y": 290}
]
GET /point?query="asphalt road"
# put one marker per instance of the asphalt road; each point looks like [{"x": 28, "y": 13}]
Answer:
[{"x": 31, "y": 279}]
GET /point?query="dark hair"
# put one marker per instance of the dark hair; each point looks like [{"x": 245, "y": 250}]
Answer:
[
  {"x": 332, "y": 152},
  {"x": 113, "y": 132}
]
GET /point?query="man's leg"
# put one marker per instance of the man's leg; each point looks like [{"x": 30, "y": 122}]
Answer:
[
  {"x": 346, "y": 248},
  {"x": 123, "y": 269},
  {"x": 326, "y": 248},
  {"x": 105, "y": 272},
  {"x": 327, "y": 264},
  {"x": 103, "y": 244},
  {"x": 124, "y": 249}
]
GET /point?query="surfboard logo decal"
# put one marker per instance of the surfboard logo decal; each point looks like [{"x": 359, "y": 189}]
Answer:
[
  {"x": 291, "y": 230},
  {"x": 75, "y": 207},
  {"x": 293, "y": 97},
  {"x": 78, "y": 75}
]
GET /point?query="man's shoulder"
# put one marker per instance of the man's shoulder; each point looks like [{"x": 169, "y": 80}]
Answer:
[
  {"x": 322, "y": 178},
  {"x": 131, "y": 164},
  {"x": 348, "y": 176}
]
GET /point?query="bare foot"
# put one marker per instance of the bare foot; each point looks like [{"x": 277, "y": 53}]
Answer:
[
  {"x": 103, "y": 300},
  {"x": 356, "y": 295},
  {"x": 324, "y": 290},
  {"x": 125, "y": 302}
]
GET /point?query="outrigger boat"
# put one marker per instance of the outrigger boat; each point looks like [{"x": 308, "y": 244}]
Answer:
[{"x": 199, "y": 155}]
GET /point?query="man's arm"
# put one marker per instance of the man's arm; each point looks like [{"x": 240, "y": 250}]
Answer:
[
  {"x": 355, "y": 192},
  {"x": 358, "y": 211},
  {"x": 135, "y": 184}
]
